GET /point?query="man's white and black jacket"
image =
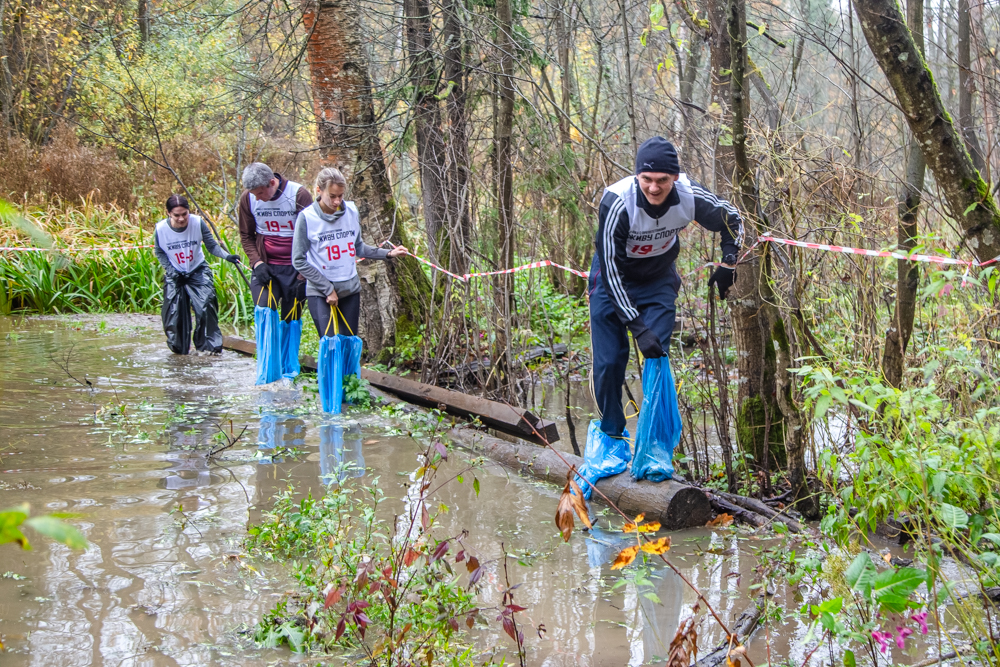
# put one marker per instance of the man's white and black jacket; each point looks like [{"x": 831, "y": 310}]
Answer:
[{"x": 637, "y": 242}]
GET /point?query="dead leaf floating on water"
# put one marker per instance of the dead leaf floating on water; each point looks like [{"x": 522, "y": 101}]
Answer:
[
  {"x": 651, "y": 527},
  {"x": 721, "y": 521}
]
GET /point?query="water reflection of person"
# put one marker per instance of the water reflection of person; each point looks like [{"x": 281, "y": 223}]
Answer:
[
  {"x": 278, "y": 432},
  {"x": 340, "y": 453}
]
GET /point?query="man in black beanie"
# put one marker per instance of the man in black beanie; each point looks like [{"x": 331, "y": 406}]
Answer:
[{"x": 633, "y": 282}]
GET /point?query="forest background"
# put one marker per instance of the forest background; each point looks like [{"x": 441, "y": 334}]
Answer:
[{"x": 482, "y": 133}]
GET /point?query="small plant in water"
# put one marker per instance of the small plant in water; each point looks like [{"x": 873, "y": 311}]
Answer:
[{"x": 392, "y": 591}]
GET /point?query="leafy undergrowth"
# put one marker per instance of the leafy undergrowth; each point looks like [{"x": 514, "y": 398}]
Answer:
[{"x": 390, "y": 592}]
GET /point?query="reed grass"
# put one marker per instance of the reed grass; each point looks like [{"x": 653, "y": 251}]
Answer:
[{"x": 72, "y": 277}]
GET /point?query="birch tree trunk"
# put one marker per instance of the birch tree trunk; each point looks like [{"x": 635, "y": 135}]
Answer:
[
  {"x": 966, "y": 193},
  {"x": 392, "y": 292}
]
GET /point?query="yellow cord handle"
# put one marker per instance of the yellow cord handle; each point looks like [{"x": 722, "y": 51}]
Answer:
[
  {"x": 270, "y": 296},
  {"x": 336, "y": 325}
]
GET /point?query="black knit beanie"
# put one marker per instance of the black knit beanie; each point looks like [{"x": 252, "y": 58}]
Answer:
[{"x": 658, "y": 155}]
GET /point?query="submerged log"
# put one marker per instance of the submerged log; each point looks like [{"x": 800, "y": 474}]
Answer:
[
  {"x": 743, "y": 628},
  {"x": 500, "y": 416},
  {"x": 674, "y": 504}
]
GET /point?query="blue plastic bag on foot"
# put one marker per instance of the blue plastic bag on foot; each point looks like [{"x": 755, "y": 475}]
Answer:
[
  {"x": 603, "y": 457},
  {"x": 330, "y": 369},
  {"x": 268, "y": 335},
  {"x": 659, "y": 427},
  {"x": 291, "y": 338}
]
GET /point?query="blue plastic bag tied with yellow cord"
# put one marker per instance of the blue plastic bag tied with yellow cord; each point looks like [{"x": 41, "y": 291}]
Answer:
[
  {"x": 338, "y": 356},
  {"x": 291, "y": 339},
  {"x": 604, "y": 456},
  {"x": 659, "y": 427},
  {"x": 267, "y": 325}
]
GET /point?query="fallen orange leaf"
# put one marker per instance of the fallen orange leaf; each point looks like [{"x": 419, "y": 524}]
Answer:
[
  {"x": 625, "y": 557},
  {"x": 645, "y": 528},
  {"x": 721, "y": 521},
  {"x": 657, "y": 547}
]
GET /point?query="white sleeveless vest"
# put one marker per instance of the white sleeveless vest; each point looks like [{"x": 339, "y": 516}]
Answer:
[
  {"x": 648, "y": 236},
  {"x": 183, "y": 248},
  {"x": 276, "y": 218},
  {"x": 332, "y": 247}
]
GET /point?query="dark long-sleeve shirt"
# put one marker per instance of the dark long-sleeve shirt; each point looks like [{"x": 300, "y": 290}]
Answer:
[{"x": 643, "y": 249}]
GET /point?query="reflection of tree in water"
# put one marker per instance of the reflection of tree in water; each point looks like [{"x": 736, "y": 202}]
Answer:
[{"x": 340, "y": 453}]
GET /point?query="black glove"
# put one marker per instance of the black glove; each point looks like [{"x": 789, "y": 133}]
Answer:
[
  {"x": 234, "y": 259},
  {"x": 649, "y": 345},
  {"x": 724, "y": 276},
  {"x": 262, "y": 273}
]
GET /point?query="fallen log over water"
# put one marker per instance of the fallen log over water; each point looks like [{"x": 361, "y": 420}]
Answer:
[
  {"x": 739, "y": 513},
  {"x": 762, "y": 509},
  {"x": 500, "y": 416},
  {"x": 674, "y": 504}
]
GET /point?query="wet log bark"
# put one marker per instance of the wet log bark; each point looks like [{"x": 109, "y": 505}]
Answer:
[
  {"x": 674, "y": 504},
  {"x": 739, "y": 513},
  {"x": 762, "y": 509},
  {"x": 967, "y": 194}
]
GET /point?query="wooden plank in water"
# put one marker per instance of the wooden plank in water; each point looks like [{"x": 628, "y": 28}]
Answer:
[
  {"x": 500, "y": 416},
  {"x": 513, "y": 421}
]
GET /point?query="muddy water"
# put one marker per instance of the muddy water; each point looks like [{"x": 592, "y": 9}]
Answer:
[{"x": 161, "y": 583}]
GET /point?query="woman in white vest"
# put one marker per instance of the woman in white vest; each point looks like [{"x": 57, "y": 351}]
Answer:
[
  {"x": 188, "y": 283},
  {"x": 325, "y": 249}
]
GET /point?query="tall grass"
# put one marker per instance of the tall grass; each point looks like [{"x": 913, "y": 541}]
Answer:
[{"x": 70, "y": 278}]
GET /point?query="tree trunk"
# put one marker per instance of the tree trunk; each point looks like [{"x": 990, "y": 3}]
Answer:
[
  {"x": 431, "y": 155},
  {"x": 503, "y": 149},
  {"x": 628, "y": 76},
  {"x": 908, "y": 273},
  {"x": 757, "y": 427},
  {"x": 966, "y": 85},
  {"x": 142, "y": 17},
  {"x": 968, "y": 196},
  {"x": 393, "y": 292},
  {"x": 460, "y": 234},
  {"x": 6, "y": 81}
]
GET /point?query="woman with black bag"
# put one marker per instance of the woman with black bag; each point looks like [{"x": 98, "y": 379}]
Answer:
[{"x": 188, "y": 284}]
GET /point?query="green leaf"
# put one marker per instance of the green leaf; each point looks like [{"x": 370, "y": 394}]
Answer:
[
  {"x": 822, "y": 405},
  {"x": 971, "y": 208},
  {"x": 475, "y": 484},
  {"x": 10, "y": 519},
  {"x": 61, "y": 532},
  {"x": 833, "y": 606},
  {"x": 952, "y": 517},
  {"x": 656, "y": 13},
  {"x": 861, "y": 574},
  {"x": 901, "y": 582},
  {"x": 762, "y": 28},
  {"x": 849, "y": 659}
]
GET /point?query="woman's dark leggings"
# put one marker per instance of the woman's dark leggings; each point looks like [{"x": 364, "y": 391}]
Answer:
[{"x": 350, "y": 311}]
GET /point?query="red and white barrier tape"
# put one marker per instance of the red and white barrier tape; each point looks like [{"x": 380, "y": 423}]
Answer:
[
  {"x": 465, "y": 278},
  {"x": 934, "y": 259}
]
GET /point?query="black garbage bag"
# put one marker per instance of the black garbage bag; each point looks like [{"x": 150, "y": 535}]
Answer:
[{"x": 182, "y": 293}]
